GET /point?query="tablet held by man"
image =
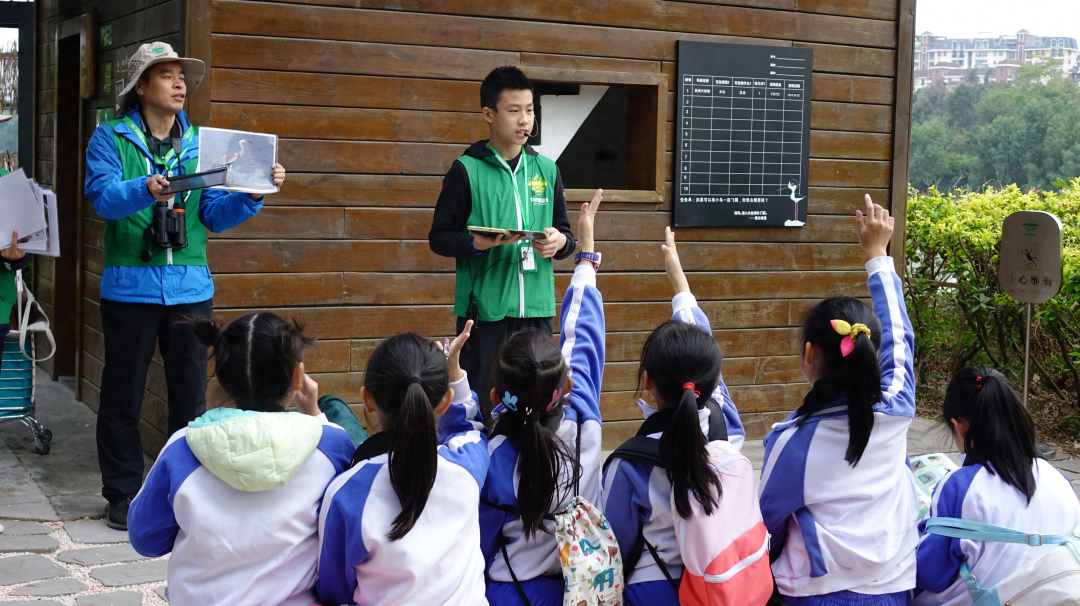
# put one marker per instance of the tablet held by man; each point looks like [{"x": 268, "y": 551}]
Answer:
[{"x": 505, "y": 280}]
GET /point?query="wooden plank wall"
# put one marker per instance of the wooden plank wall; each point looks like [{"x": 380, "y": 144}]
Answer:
[
  {"x": 374, "y": 99},
  {"x": 133, "y": 22}
]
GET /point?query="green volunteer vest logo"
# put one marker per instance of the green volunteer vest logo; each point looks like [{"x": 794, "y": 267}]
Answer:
[
  {"x": 124, "y": 237},
  {"x": 494, "y": 279}
]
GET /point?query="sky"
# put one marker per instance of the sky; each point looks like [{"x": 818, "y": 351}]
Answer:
[{"x": 969, "y": 18}]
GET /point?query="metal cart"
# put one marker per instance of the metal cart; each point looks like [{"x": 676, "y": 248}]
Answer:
[{"x": 17, "y": 372}]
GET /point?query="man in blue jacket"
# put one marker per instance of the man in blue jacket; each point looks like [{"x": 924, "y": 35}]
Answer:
[{"x": 147, "y": 291}]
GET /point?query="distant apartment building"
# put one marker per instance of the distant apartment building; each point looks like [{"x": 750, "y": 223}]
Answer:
[{"x": 993, "y": 58}]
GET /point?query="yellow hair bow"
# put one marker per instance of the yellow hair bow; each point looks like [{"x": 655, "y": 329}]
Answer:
[{"x": 850, "y": 331}]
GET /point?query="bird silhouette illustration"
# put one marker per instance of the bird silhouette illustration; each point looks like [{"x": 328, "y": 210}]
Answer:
[
  {"x": 230, "y": 158},
  {"x": 793, "y": 185}
]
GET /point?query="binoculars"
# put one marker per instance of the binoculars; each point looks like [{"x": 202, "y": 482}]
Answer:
[{"x": 167, "y": 230}]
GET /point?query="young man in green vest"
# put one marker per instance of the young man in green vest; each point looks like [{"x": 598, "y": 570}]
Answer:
[
  {"x": 504, "y": 284},
  {"x": 148, "y": 292}
]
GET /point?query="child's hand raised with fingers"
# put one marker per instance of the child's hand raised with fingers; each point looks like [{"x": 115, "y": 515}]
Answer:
[
  {"x": 672, "y": 264},
  {"x": 586, "y": 220},
  {"x": 875, "y": 229},
  {"x": 453, "y": 353}
]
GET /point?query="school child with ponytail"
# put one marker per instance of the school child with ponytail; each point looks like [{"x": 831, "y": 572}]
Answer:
[
  {"x": 235, "y": 495},
  {"x": 680, "y": 498},
  {"x": 1002, "y": 482},
  {"x": 400, "y": 526},
  {"x": 836, "y": 491},
  {"x": 545, "y": 447}
]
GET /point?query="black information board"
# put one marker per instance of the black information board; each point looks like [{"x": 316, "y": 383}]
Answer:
[{"x": 743, "y": 135}]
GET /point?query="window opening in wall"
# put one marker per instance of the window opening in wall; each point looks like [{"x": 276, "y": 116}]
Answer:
[{"x": 603, "y": 131}]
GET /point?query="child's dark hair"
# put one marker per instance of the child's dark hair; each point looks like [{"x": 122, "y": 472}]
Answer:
[
  {"x": 676, "y": 355},
  {"x": 529, "y": 376},
  {"x": 254, "y": 357},
  {"x": 856, "y": 376},
  {"x": 408, "y": 377},
  {"x": 1000, "y": 435},
  {"x": 500, "y": 79}
]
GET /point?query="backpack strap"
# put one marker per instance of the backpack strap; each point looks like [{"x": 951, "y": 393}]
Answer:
[
  {"x": 577, "y": 458},
  {"x": 959, "y": 528},
  {"x": 639, "y": 449},
  {"x": 506, "y": 558},
  {"x": 372, "y": 447},
  {"x": 547, "y": 516}
]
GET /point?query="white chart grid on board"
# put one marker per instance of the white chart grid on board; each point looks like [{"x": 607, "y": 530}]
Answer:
[{"x": 741, "y": 137}]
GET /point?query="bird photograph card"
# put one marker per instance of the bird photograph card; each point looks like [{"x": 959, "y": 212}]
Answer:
[{"x": 249, "y": 157}]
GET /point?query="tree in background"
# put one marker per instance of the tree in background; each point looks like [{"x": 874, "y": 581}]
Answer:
[{"x": 1026, "y": 132}]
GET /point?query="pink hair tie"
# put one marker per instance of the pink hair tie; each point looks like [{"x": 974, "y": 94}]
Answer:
[{"x": 555, "y": 395}]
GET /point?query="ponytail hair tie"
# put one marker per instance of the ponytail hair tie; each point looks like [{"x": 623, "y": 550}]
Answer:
[
  {"x": 692, "y": 388},
  {"x": 978, "y": 382},
  {"x": 414, "y": 380},
  {"x": 850, "y": 332}
]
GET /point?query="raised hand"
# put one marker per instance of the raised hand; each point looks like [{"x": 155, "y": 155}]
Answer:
[
  {"x": 875, "y": 229},
  {"x": 307, "y": 397},
  {"x": 671, "y": 263},
  {"x": 586, "y": 220},
  {"x": 453, "y": 352}
]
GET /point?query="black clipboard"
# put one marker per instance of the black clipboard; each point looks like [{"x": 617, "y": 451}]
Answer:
[{"x": 210, "y": 178}]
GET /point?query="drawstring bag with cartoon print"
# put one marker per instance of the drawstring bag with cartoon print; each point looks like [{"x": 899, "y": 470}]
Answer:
[{"x": 591, "y": 563}]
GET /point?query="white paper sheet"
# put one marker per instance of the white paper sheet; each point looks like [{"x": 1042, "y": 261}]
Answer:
[
  {"x": 249, "y": 156},
  {"x": 19, "y": 208},
  {"x": 50, "y": 247}
]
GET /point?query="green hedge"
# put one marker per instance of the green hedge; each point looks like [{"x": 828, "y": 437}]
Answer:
[{"x": 961, "y": 316}]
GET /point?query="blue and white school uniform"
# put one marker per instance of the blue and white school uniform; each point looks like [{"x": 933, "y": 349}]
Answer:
[
  {"x": 439, "y": 560},
  {"x": 974, "y": 493},
  {"x": 843, "y": 528},
  {"x": 235, "y": 497},
  {"x": 638, "y": 494},
  {"x": 535, "y": 560}
]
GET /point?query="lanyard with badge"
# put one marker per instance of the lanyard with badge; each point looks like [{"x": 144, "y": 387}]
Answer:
[
  {"x": 528, "y": 258},
  {"x": 170, "y": 162}
]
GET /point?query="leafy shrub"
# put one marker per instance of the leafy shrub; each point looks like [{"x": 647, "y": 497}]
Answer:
[{"x": 959, "y": 312}]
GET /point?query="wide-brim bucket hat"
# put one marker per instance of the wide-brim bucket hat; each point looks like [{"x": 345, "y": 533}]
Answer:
[{"x": 150, "y": 55}]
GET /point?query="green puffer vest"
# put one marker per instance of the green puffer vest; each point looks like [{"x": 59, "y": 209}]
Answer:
[
  {"x": 496, "y": 281},
  {"x": 124, "y": 237}
]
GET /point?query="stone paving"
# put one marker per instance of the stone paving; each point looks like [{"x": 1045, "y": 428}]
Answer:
[
  {"x": 90, "y": 565},
  {"x": 52, "y": 553}
]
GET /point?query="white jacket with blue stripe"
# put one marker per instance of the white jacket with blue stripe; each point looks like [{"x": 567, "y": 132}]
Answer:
[
  {"x": 581, "y": 339},
  {"x": 638, "y": 493},
  {"x": 846, "y": 528},
  {"x": 975, "y": 493},
  {"x": 439, "y": 560},
  {"x": 235, "y": 498}
]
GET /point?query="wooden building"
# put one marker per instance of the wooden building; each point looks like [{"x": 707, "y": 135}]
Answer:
[{"x": 373, "y": 100}]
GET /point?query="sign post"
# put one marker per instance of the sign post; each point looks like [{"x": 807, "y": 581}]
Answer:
[{"x": 1029, "y": 265}]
